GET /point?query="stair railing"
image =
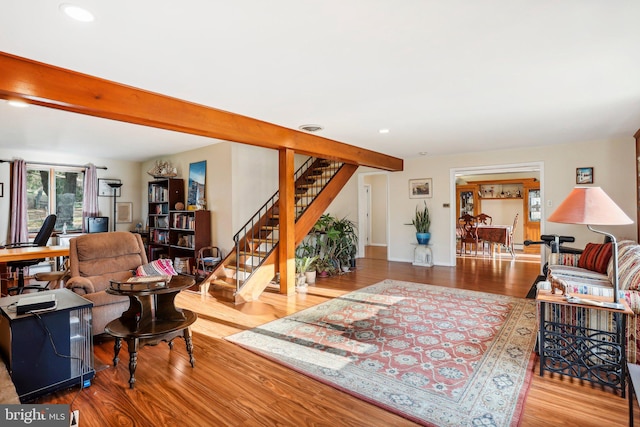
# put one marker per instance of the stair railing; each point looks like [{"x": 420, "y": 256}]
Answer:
[{"x": 250, "y": 256}]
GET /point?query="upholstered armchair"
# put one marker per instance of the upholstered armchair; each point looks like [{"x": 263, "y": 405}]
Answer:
[{"x": 94, "y": 260}]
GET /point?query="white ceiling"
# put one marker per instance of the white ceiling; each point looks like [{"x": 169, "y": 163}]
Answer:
[{"x": 443, "y": 76}]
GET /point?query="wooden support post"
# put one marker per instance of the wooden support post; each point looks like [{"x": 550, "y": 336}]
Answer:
[{"x": 286, "y": 205}]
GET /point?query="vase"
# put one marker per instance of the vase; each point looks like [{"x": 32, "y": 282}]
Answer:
[
  {"x": 311, "y": 277},
  {"x": 423, "y": 238}
]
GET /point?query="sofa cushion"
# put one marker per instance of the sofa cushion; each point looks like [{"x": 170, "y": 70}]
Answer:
[
  {"x": 628, "y": 267},
  {"x": 596, "y": 257},
  {"x": 159, "y": 267}
]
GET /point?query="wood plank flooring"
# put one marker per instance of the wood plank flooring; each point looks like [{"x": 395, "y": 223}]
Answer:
[{"x": 232, "y": 387}]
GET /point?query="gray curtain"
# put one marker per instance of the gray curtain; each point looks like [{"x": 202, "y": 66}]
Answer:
[
  {"x": 90, "y": 196},
  {"x": 19, "y": 232}
]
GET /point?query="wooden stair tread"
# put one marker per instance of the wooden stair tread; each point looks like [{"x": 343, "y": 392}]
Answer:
[
  {"x": 261, "y": 254},
  {"x": 225, "y": 282}
]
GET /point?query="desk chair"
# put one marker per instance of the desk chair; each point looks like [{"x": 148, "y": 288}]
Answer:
[{"x": 41, "y": 240}]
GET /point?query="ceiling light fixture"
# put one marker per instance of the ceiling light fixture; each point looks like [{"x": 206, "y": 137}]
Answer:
[
  {"x": 76, "y": 12},
  {"x": 311, "y": 128},
  {"x": 18, "y": 104},
  {"x": 423, "y": 153},
  {"x": 383, "y": 131}
]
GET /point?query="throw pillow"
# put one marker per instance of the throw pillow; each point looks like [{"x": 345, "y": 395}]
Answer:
[
  {"x": 159, "y": 267},
  {"x": 595, "y": 257}
]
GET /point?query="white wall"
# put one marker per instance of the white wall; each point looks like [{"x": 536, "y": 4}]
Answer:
[
  {"x": 127, "y": 172},
  {"x": 614, "y": 171}
]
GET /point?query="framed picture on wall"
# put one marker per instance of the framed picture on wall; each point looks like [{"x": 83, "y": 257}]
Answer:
[
  {"x": 584, "y": 175},
  {"x": 105, "y": 190},
  {"x": 124, "y": 212},
  {"x": 197, "y": 176},
  {"x": 420, "y": 188}
]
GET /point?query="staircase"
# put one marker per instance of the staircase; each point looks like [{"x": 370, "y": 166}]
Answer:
[{"x": 249, "y": 268}]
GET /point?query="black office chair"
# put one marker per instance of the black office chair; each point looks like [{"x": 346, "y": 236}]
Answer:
[{"x": 41, "y": 239}]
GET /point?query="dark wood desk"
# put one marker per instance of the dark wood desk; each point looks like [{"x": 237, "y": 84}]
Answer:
[{"x": 152, "y": 317}]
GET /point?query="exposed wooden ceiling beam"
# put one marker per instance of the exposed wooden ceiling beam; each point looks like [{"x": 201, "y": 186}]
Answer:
[{"x": 54, "y": 87}]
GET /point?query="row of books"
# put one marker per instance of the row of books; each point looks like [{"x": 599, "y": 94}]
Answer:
[
  {"x": 160, "y": 236},
  {"x": 183, "y": 221},
  {"x": 158, "y": 193},
  {"x": 160, "y": 209}
]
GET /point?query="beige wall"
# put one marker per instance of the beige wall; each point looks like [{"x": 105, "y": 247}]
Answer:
[
  {"x": 614, "y": 171},
  {"x": 127, "y": 172}
]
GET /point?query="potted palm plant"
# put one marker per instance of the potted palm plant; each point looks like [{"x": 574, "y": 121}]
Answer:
[{"x": 422, "y": 223}]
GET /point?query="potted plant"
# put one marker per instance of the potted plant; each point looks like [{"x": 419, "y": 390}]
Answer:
[
  {"x": 324, "y": 267},
  {"x": 306, "y": 270},
  {"x": 346, "y": 242},
  {"x": 303, "y": 265},
  {"x": 422, "y": 223}
]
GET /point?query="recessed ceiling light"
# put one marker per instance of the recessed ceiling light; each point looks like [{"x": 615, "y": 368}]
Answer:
[
  {"x": 311, "y": 128},
  {"x": 383, "y": 131},
  {"x": 18, "y": 104},
  {"x": 76, "y": 12},
  {"x": 423, "y": 153}
]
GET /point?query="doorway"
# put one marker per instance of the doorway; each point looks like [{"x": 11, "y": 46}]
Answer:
[
  {"x": 373, "y": 214},
  {"x": 496, "y": 172}
]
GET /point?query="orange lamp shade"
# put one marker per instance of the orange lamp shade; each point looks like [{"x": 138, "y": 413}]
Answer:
[{"x": 590, "y": 206}]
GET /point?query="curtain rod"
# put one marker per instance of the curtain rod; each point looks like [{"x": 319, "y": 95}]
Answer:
[{"x": 55, "y": 164}]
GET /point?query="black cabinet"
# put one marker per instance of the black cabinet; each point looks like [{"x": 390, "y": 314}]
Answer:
[{"x": 32, "y": 362}]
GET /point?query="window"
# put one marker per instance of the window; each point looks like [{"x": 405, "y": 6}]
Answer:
[{"x": 54, "y": 189}]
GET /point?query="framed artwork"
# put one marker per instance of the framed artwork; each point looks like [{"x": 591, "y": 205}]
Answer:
[
  {"x": 195, "y": 190},
  {"x": 124, "y": 212},
  {"x": 584, "y": 175},
  {"x": 104, "y": 189},
  {"x": 420, "y": 188}
]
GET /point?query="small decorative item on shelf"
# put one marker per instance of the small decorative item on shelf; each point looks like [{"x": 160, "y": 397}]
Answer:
[
  {"x": 179, "y": 206},
  {"x": 201, "y": 204},
  {"x": 163, "y": 170}
]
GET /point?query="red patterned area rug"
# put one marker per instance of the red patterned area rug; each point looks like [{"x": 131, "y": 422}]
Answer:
[{"x": 438, "y": 356}]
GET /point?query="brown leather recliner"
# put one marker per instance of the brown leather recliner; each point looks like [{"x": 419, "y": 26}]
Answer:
[{"x": 94, "y": 260}]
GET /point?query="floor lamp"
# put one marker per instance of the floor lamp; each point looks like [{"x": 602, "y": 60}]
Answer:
[
  {"x": 591, "y": 206},
  {"x": 115, "y": 186}
]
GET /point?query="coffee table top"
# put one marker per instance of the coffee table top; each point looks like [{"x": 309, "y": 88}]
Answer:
[{"x": 147, "y": 285}]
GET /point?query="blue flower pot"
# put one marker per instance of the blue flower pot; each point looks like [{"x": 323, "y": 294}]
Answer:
[{"x": 423, "y": 238}]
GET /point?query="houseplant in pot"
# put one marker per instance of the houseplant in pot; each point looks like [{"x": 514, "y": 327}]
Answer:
[
  {"x": 303, "y": 265},
  {"x": 422, "y": 223}
]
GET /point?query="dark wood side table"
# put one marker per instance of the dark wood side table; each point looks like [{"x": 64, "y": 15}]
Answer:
[
  {"x": 152, "y": 317},
  {"x": 568, "y": 346}
]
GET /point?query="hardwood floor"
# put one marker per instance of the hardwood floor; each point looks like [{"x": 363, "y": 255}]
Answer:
[{"x": 230, "y": 386}]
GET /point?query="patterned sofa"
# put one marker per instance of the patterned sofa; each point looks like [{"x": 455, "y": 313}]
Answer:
[{"x": 593, "y": 276}]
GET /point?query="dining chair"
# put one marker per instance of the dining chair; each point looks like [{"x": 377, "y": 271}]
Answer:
[
  {"x": 510, "y": 240},
  {"x": 468, "y": 226},
  {"x": 484, "y": 219}
]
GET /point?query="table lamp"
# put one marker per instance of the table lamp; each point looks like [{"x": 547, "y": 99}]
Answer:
[
  {"x": 592, "y": 206},
  {"x": 115, "y": 186}
]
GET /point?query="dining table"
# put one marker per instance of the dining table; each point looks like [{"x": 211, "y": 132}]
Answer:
[{"x": 496, "y": 235}]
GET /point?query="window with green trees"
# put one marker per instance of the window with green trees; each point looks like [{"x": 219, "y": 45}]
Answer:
[{"x": 55, "y": 190}]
